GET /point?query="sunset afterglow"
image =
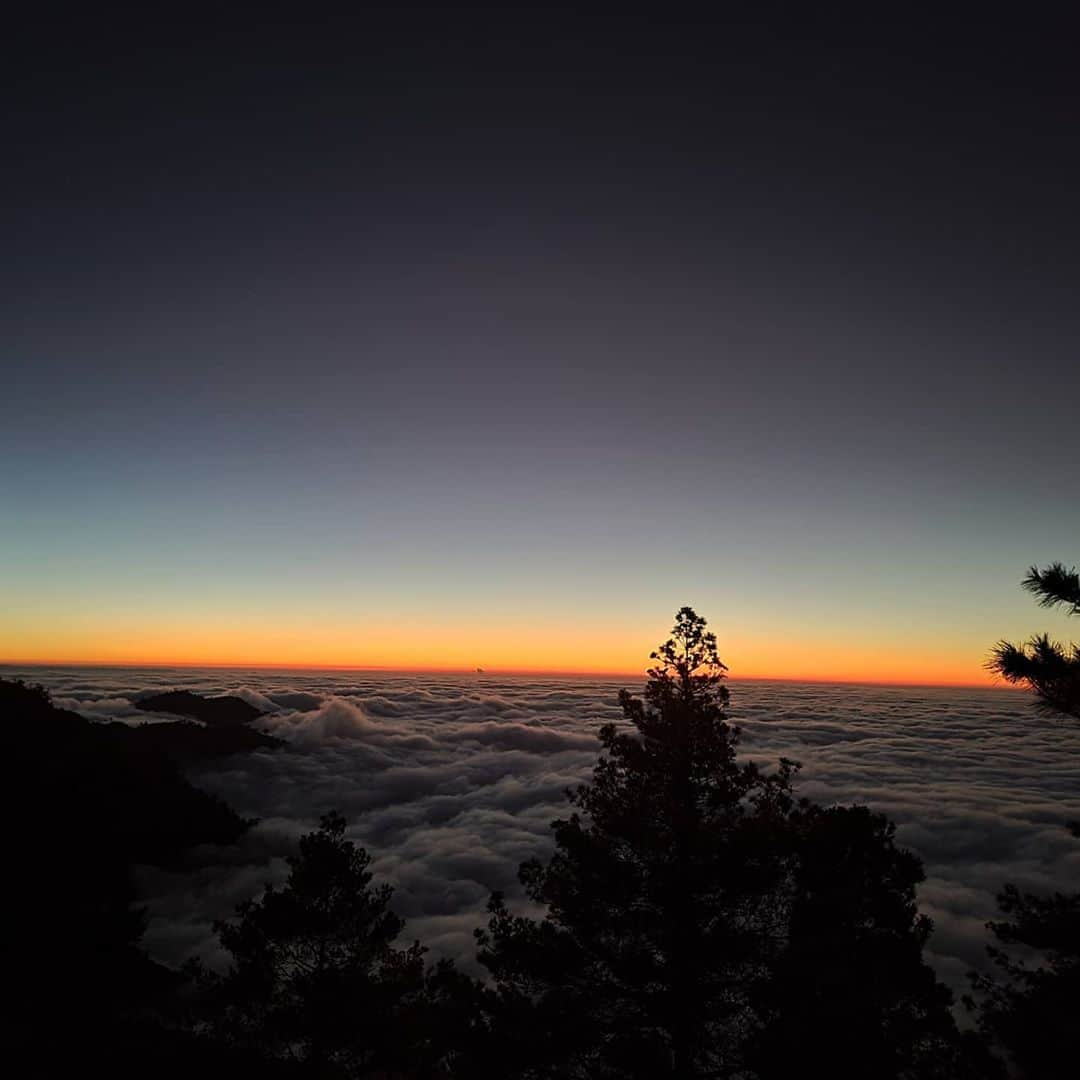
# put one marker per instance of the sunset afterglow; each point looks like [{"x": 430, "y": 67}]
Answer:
[
  {"x": 511, "y": 645},
  {"x": 506, "y": 398}
]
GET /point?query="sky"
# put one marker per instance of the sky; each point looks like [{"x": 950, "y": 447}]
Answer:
[{"x": 464, "y": 338}]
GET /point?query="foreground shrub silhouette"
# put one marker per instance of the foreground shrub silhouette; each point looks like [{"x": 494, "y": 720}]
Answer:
[
  {"x": 316, "y": 983},
  {"x": 699, "y": 918}
]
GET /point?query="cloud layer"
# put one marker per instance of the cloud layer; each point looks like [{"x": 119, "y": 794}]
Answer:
[{"x": 452, "y": 781}]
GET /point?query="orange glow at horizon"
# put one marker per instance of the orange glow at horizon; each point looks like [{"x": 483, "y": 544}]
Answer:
[{"x": 521, "y": 649}]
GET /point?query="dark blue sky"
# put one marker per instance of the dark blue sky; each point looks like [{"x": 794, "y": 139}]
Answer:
[{"x": 489, "y": 321}]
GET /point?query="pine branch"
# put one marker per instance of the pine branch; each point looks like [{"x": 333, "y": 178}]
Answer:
[
  {"x": 1055, "y": 585},
  {"x": 1048, "y": 668}
]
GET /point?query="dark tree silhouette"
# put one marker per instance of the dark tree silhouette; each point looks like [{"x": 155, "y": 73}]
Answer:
[
  {"x": 317, "y": 983},
  {"x": 1032, "y": 1011},
  {"x": 1049, "y": 668},
  {"x": 851, "y": 990},
  {"x": 684, "y": 887},
  {"x": 1030, "y": 1004}
]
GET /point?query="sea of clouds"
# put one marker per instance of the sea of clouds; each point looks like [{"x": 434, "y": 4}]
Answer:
[{"x": 452, "y": 781}]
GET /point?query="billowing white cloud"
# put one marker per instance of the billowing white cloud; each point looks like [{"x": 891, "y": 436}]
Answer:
[{"x": 331, "y": 721}]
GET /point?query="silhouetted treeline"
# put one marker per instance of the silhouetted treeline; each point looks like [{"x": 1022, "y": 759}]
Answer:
[{"x": 696, "y": 919}]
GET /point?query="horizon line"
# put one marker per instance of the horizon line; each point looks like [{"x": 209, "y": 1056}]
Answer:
[{"x": 532, "y": 672}]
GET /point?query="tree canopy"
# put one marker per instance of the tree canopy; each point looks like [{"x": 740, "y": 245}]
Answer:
[
  {"x": 317, "y": 983},
  {"x": 697, "y": 915},
  {"x": 1029, "y": 1008}
]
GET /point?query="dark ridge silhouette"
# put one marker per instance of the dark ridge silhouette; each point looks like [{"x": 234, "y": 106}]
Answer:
[
  {"x": 32, "y": 717},
  {"x": 225, "y": 711},
  {"x": 120, "y": 780},
  {"x": 187, "y": 743},
  {"x": 223, "y": 727},
  {"x": 95, "y": 800}
]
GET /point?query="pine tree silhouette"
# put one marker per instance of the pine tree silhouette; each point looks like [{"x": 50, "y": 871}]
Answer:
[
  {"x": 1030, "y": 1009},
  {"x": 1049, "y": 668},
  {"x": 696, "y": 912},
  {"x": 1028, "y": 1006},
  {"x": 316, "y": 981}
]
